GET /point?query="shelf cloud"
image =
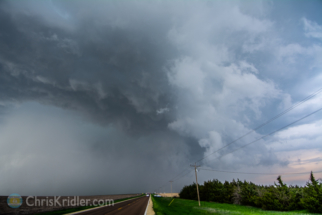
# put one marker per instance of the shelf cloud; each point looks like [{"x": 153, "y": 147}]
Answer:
[{"x": 96, "y": 97}]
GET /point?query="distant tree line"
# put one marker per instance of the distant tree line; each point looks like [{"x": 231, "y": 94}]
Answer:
[{"x": 274, "y": 197}]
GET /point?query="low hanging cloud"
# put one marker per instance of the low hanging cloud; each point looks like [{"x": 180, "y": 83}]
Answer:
[{"x": 138, "y": 90}]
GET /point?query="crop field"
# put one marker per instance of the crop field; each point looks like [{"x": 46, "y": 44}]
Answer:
[{"x": 174, "y": 206}]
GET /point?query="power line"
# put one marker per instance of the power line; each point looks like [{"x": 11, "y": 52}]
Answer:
[
  {"x": 173, "y": 179},
  {"x": 271, "y": 133},
  {"x": 177, "y": 178},
  {"x": 195, "y": 166},
  {"x": 262, "y": 137},
  {"x": 265, "y": 123},
  {"x": 254, "y": 173},
  {"x": 258, "y": 127},
  {"x": 184, "y": 175}
]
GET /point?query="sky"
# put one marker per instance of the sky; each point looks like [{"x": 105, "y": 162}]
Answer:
[{"x": 109, "y": 97}]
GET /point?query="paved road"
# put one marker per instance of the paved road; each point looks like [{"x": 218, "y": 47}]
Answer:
[{"x": 135, "y": 206}]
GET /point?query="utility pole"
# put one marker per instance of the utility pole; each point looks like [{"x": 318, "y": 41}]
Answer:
[
  {"x": 171, "y": 185},
  {"x": 195, "y": 166}
]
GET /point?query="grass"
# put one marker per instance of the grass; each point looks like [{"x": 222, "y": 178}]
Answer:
[
  {"x": 184, "y": 206},
  {"x": 71, "y": 210}
]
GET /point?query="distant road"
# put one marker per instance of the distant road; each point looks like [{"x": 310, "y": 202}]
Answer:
[{"x": 135, "y": 206}]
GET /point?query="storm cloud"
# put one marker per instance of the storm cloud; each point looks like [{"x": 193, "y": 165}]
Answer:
[{"x": 118, "y": 97}]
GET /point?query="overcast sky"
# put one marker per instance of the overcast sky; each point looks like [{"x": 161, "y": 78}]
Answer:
[{"x": 106, "y": 97}]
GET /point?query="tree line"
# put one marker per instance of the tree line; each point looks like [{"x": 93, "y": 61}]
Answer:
[{"x": 274, "y": 197}]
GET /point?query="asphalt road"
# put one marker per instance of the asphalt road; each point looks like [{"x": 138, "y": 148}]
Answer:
[{"x": 135, "y": 206}]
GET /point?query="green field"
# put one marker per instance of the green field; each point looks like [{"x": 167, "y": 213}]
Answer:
[{"x": 183, "y": 206}]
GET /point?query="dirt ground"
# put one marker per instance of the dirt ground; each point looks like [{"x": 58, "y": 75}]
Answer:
[
  {"x": 150, "y": 210},
  {"x": 169, "y": 194}
]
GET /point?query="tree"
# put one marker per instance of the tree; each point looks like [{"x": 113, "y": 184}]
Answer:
[{"x": 312, "y": 199}]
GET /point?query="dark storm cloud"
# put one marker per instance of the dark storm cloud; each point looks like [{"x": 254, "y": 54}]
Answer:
[
  {"x": 270, "y": 158},
  {"x": 161, "y": 84},
  {"x": 114, "y": 74}
]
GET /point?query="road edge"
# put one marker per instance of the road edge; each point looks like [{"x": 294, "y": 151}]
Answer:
[
  {"x": 149, "y": 209},
  {"x": 147, "y": 205},
  {"x": 82, "y": 211}
]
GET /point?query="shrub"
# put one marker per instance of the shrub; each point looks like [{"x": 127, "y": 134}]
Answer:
[
  {"x": 275, "y": 197},
  {"x": 312, "y": 199}
]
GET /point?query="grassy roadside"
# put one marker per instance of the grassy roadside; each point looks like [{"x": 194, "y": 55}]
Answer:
[
  {"x": 183, "y": 206},
  {"x": 71, "y": 210}
]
